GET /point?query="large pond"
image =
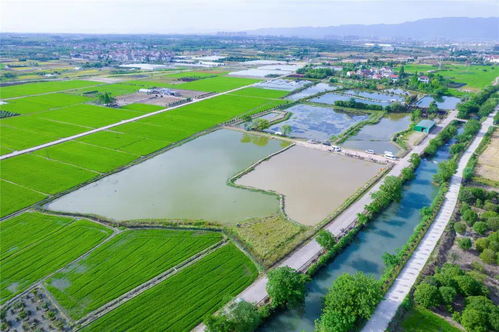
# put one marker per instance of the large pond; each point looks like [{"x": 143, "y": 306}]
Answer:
[
  {"x": 378, "y": 137},
  {"x": 318, "y": 123},
  {"x": 187, "y": 182},
  {"x": 314, "y": 182},
  {"x": 444, "y": 103},
  {"x": 388, "y": 232},
  {"x": 310, "y": 91}
]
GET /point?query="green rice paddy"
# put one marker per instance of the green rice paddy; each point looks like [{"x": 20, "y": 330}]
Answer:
[
  {"x": 180, "y": 302},
  {"x": 43, "y": 87},
  {"x": 216, "y": 84},
  {"x": 263, "y": 93},
  {"x": 34, "y": 245},
  {"x": 128, "y": 260}
]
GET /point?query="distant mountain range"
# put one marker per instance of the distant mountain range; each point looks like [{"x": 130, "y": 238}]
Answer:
[{"x": 447, "y": 28}]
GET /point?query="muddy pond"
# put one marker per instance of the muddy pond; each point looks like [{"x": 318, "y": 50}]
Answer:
[
  {"x": 314, "y": 182},
  {"x": 186, "y": 182}
]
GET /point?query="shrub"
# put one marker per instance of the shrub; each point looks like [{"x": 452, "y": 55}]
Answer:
[
  {"x": 326, "y": 239},
  {"x": 481, "y": 244},
  {"x": 447, "y": 294},
  {"x": 470, "y": 217},
  {"x": 350, "y": 299},
  {"x": 480, "y": 227},
  {"x": 464, "y": 243},
  {"x": 480, "y": 314},
  {"x": 427, "y": 295},
  {"x": 460, "y": 228},
  {"x": 468, "y": 286},
  {"x": 286, "y": 287},
  {"x": 488, "y": 256},
  {"x": 493, "y": 223}
]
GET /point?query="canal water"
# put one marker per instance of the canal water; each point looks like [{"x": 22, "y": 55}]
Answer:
[
  {"x": 388, "y": 232},
  {"x": 378, "y": 136},
  {"x": 187, "y": 182}
]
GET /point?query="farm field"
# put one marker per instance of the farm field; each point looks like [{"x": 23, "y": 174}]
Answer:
[
  {"x": 115, "y": 89},
  {"x": 21, "y": 132},
  {"x": 487, "y": 170},
  {"x": 17, "y": 198},
  {"x": 263, "y": 93},
  {"x": 180, "y": 302},
  {"x": 146, "y": 108},
  {"x": 195, "y": 74},
  {"x": 41, "y": 174},
  {"x": 476, "y": 77},
  {"x": 43, "y": 87},
  {"x": 128, "y": 260},
  {"x": 72, "y": 163},
  {"x": 216, "y": 84},
  {"x": 85, "y": 155},
  {"x": 34, "y": 245},
  {"x": 42, "y": 103}
]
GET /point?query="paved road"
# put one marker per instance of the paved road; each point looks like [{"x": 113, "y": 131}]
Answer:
[
  {"x": 301, "y": 257},
  {"x": 70, "y": 138},
  {"x": 388, "y": 307}
]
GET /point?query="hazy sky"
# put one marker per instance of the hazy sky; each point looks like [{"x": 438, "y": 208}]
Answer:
[{"x": 198, "y": 16}]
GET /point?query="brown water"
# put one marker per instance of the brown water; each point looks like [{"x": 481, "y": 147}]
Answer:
[{"x": 313, "y": 182}]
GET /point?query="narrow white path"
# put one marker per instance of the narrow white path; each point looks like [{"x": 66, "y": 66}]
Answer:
[
  {"x": 96, "y": 130},
  {"x": 304, "y": 255},
  {"x": 388, "y": 307}
]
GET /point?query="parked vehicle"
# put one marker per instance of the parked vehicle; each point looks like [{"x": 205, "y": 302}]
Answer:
[{"x": 370, "y": 151}]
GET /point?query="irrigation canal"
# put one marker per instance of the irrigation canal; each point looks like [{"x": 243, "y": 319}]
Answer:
[{"x": 388, "y": 232}]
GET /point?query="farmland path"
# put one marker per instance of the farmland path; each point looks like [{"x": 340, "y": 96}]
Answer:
[
  {"x": 388, "y": 307},
  {"x": 304, "y": 255},
  {"x": 96, "y": 130},
  {"x": 92, "y": 316}
]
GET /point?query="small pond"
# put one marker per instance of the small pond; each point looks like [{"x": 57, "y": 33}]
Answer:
[
  {"x": 318, "y": 123},
  {"x": 444, "y": 103},
  {"x": 186, "y": 182},
  {"x": 378, "y": 137},
  {"x": 310, "y": 91}
]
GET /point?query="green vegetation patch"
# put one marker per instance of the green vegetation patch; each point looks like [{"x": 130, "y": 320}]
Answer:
[
  {"x": 35, "y": 104},
  {"x": 263, "y": 93},
  {"x": 270, "y": 238},
  {"x": 125, "y": 262},
  {"x": 43, "y": 175},
  {"x": 216, "y": 84},
  {"x": 146, "y": 108},
  {"x": 419, "y": 319},
  {"x": 34, "y": 245},
  {"x": 15, "y": 197},
  {"x": 195, "y": 74},
  {"x": 89, "y": 115},
  {"x": 473, "y": 76},
  {"x": 87, "y": 156},
  {"x": 115, "y": 89},
  {"x": 42, "y": 87},
  {"x": 180, "y": 302}
]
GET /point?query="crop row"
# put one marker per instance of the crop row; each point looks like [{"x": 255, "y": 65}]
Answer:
[
  {"x": 180, "y": 302},
  {"x": 125, "y": 262},
  {"x": 34, "y": 245}
]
